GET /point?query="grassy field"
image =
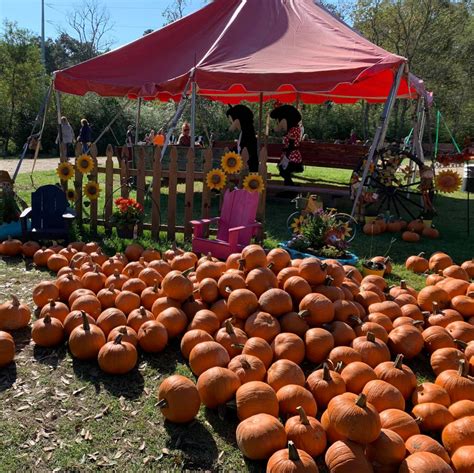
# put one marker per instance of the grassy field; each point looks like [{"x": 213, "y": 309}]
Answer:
[{"x": 58, "y": 414}]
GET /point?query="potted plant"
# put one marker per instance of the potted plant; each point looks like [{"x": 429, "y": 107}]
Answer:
[
  {"x": 127, "y": 214},
  {"x": 322, "y": 234}
]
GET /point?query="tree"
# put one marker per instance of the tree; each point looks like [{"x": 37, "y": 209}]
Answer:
[
  {"x": 90, "y": 21},
  {"x": 174, "y": 11}
]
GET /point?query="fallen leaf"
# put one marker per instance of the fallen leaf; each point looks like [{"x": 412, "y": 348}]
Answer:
[
  {"x": 77, "y": 391},
  {"x": 142, "y": 447},
  {"x": 165, "y": 451}
]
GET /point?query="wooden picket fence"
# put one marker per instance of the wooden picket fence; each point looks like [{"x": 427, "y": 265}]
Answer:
[{"x": 178, "y": 173}]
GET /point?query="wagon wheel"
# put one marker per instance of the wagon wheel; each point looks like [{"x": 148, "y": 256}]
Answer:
[{"x": 399, "y": 184}]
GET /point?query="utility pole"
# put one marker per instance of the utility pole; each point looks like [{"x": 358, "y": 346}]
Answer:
[{"x": 43, "y": 53}]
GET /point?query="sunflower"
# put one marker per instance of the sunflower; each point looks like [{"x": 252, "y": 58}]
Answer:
[
  {"x": 71, "y": 195},
  {"x": 346, "y": 231},
  {"x": 231, "y": 162},
  {"x": 85, "y": 164},
  {"x": 65, "y": 171},
  {"x": 254, "y": 183},
  {"x": 448, "y": 181},
  {"x": 297, "y": 224},
  {"x": 92, "y": 190},
  {"x": 216, "y": 179}
]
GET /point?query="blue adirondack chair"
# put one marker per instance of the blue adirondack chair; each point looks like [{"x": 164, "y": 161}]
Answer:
[
  {"x": 236, "y": 225},
  {"x": 50, "y": 215}
]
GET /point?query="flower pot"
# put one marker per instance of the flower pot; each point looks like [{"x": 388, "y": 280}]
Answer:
[
  {"x": 370, "y": 268},
  {"x": 125, "y": 231}
]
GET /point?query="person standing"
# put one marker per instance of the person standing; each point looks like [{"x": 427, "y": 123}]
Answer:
[
  {"x": 185, "y": 137},
  {"x": 85, "y": 135},
  {"x": 66, "y": 137},
  {"x": 129, "y": 140}
]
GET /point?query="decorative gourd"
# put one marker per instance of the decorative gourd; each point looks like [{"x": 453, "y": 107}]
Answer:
[
  {"x": 424, "y": 462},
  {"x": 217, "y": 385},
  {"x": 152, "y": 336},
  {"x": 383, "y": 395},
  {"x": 423, "y": 443},
  {"x": 434, "y": 417},
  {"x": 400, "y": 422},
  {"x": 117, "y": 357},
  {"x": 14, "y": 315},
  {"x": 259, "y": 436},
  {"x": 356, "y": 375},
  {"x": 372, "y": 350},
  {"x": 319, "y": 343},
  {"x": 458, "y": 434},
  {"x": 387, "y": 449},
  {"x": 247, "y": 368},
  {"x": 346, "y": 456},
  {"x": 7, "y": 349},
  {"x": 430, "y": 392},
  {"x": 457, "y": 383},
  {"x": 74, "y": 319},
  {"x": 178, "y": 399},
  {"x": 439, "y": 261},
  {"x": 354, "y": 418},
  {"x": 58, "y": 310},
  {"x": 284, "y": 372},
  {"x": 291, "y": 460},
  {"x": 44, "y": 292},
  {"x": 89, "y": 304},
  {"x": 292, "y": 396},
  {"x": 86, "y": 340},
  {"x": 207, "y": 355}
]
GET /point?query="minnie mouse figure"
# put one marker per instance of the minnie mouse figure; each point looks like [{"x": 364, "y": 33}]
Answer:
[
  {"x": 289, "y": 120},
  {"x": 241, "y": 118}
]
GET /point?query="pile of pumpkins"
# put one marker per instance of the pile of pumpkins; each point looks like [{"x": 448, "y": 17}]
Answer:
[
  {"x": 411, "y": 231},
  {"x": 245, "y": 327}
]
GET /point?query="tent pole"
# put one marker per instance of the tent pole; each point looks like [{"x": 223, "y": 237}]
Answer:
[
  {"x": 260, "y": 120},
  {"x": 62, "y": 153},
  {"x": 137, "y": 119},
  {"x": 193, "y": 113},
  {"x": 379, "y": 134},
  {"x": 107, "y": 128}
]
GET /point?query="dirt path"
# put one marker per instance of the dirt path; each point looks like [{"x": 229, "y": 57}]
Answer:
[{"x": 42, "y": 164}]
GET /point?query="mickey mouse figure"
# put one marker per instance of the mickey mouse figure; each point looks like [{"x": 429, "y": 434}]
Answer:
[
  {"x": 241, "y": 118},
  {"x": 288, "y": 119}
]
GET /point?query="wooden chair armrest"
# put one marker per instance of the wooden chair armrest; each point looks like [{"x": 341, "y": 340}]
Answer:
[
  {"x": 234, "y": 232},
  {"x": 26, "y": 213},
  {"x": 199, "y": 226}
]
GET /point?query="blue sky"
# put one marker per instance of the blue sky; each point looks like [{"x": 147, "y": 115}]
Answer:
[{"x": 130, "y": 17}]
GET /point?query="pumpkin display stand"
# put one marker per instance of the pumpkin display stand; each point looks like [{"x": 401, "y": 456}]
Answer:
[{"x": 350, "y": 258}]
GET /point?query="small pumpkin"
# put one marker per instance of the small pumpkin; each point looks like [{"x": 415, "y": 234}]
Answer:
[
  {"x": 400, "y": 422},
  {"x": 424, "y": 462},
  {"x": 397, "y": 374},
  {"x": 128, "y": 334},
  {"x": 433, "y": 417},
  {"x": 256, "y": 397},
  {"x": 177, "y": 286},
  {"x": 58, "y": 310},
  {"x": 174, "y": 320},
  {"x": 417, "y": 264},
  {"x": 44, "y": 292},
  {"x": 86, "y": 340},
  {"x": 29, "y": 248},
  {"x": 383, "y": 395},
  {"x": 463, "y": 459},
  {"x": 117, "y": 357},
  {"x": 90, "y": 304},
  {"x": 11, "y": 247},
  {"x": 206, "y": 355},
  {"x": 458, "y": 434},
  {"x": 457, "y": 383},
  {"x": 178, "y": 399},
  {"x": 346, "y": 456},
  {"x": 152, "y": 336},
  {"x": 284, "y": 372},
  {"x": 7, "y": 349},
  {"x": 430, "y": 392},
  {"x": 356, "y": 375},
  {"x": 410, "y": 237},
  {"x": 373, "y": 350},
  {"x": 241, "y": 303},
  {"x": 423, "y": 443},
  {"x": 260, "y": 348},
  {"x": 463, "y": 408},
  {"x": 325, "y": 384},
  {"x": 14, "y": 315},
  {"x": 217, "y": 385},
  {"x": 74, "y": 319},
  {"x": 291, "y": 459},
  {"x": 292, "y": 396},
  {"x": 439, "y": 261},
  {"x": 387, "y": 449}
]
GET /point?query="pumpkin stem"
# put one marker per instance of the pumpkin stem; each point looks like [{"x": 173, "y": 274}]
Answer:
[
  {"x": 415, "y": 323},
  {"x": 118, "y": 339},
  {"x": 162, "y": 403},
  {"x": 293, "y": 454},
  {"x": 229, "y": 328},
  {"x": 270, "y": 265},
  {"x": 398, "y": 361},
  {"x": 403, "y": 284},
  {"x": 303, "y": 417},
  {"x": 418, "y": 420},
  {"x": 15, "y": 300},
  {"x": 238, "y": 345},
  {"x": 328, "y": 281},
  {"x": 111, "y": 288},
  {"x": 52, "y": 304},
  {"x": 371, "y": 337},
  {"x": 209, "y": 256},
  {"x": 155, "y": 287},
  {"x": 47, "y": 319},
  {"x": 436, "y": 309},
  {"x": 142, "y": 310},
  {"x": 339, "y": 367},
  {"x": 326, "y": 373},
  {"x": 323, "y": 266},
  {"x": 463, "y": 369},
  {"x": 85, "y": 322},
  {"x": 461, "y": 343},
  {"x": 228, "y": 289},
  {"x": 241, "y": 264},
  {"x": 356, "y": 320},
  {"x": 361, "y": 400},
  {"x": 245, "y": 364},
  {"x": 123, "y": 330},
  {"x": 425, "y": 314},
  {"x": 303, "y": 314},
  {"x": 350, "y": 274},
  {"x": 421, "y": 255},
  {"x": 188, "y": 271}
]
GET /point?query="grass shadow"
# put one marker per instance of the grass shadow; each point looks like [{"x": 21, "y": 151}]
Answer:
[
  {"x": 50, "y": 356},
  {"x": 224, "y": 422},
  {"x": 165, "y": 362},
  {"x": 129, "y": 385},
  {"x": 195, "y": 442},
  {"x": 8, "y": 375}
]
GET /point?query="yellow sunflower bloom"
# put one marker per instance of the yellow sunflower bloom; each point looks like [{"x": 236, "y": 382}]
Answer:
[
  {"x": 448, "y": 181},
  {"x": 71, "y": 195},
  {"x": 254, "y": 183},
  {"x": 85, "y": 164},
  {"x": 231, "y": 162},
  {"x": 216, "y": 179},
  {"x": 346, "y": 230},
  {"x": 297, "y": 224},
  {"x": 65, "y": 171},
  {"x": 92, "y": 190}
]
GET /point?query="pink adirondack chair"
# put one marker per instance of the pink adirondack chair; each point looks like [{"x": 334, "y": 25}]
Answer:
[{"x": 236, "y": 225}]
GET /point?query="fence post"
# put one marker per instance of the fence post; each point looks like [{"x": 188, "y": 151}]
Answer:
[
  {"x": 172, "y": 193},
  {"x": 206, "y": 192},
  {"x": 109, "y": 187},
  {"x": 78, "y": 186},
  {"x": 189, "y": 194},
  {"x": 123, "y": 164},
  {"x": 94, "y": 202},
  {"x": 156, "y": 198},
  {"x": 141, "y": 182}
]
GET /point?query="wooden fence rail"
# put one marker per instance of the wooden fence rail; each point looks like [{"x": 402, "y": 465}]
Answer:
[{"x": 169, "y": 188}]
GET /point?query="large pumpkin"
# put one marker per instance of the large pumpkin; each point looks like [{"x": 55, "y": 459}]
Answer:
[
  {"x": 178, "y": 399},
  {"x": 217, "y": 385},
  {"x": 14, "y": 315},
  {"x": 152, "y": 336},
  {"x": 47, "y": 332},
  {"x": 259, "y": 436},
  {"x": 177, "y": 286},
  {"x": 325, "y": 384},
  {"x": 86, "y": 340},
  {"x": 207, "y": 355},
  {"x": 344, "y": 456},
  {"x": 256, "y": 397}
]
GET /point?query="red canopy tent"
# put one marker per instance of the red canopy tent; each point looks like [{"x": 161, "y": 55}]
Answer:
[{"x": 235, "y": 50}]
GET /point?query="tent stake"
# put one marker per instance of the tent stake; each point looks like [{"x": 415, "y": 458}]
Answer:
[{"x": 380, "y": 133}]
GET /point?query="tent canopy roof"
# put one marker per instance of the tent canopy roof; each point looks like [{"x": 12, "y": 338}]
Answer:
[{"x": 237, "y": 49}]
